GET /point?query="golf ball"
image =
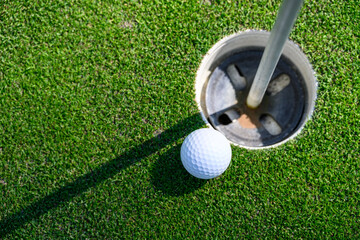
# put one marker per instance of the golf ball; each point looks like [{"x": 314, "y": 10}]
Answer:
[{"x": 205, "y": 153}]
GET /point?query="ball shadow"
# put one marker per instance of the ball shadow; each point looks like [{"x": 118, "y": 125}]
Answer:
[{"x": 170, "y": 177}]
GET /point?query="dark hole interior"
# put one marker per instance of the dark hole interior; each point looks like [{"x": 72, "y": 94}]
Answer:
[{"x": 224, "y": 119}]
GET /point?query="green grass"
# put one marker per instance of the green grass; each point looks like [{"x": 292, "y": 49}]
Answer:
[{"x": 96, "y": 98}]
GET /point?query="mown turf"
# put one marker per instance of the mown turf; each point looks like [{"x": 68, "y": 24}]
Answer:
[{"x": 96, "y": 98}]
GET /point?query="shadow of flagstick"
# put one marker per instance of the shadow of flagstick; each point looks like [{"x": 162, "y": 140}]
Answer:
[{"x": 97, "y": 176}]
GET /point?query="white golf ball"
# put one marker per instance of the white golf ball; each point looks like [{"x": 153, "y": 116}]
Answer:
[{"x": 205, "y": 153}]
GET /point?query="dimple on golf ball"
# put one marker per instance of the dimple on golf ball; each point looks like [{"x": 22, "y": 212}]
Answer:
[{"x": 205, "y": 153}]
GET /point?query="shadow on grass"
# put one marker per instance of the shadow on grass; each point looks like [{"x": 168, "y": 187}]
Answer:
[
  {"x": 170, "y": 177},
  {"x": 110, "y": 169}
]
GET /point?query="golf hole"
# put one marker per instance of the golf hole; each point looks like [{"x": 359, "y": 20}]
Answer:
[{"x": 223, "y": 81}]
